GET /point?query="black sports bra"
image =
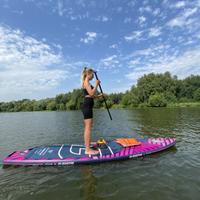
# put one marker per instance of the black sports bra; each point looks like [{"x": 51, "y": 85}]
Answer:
[{"x": 85, "y": 92}]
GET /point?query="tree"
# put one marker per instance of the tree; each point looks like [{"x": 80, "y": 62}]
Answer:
[
  {"x": 189, "y": 86},
  {"x": 76, "y": 98},
  {"x": 99, "y": 103},
  {"x": 157, "y": 100},
  {"x": 126, "y": 99},
  {"x": 115, "y": 98},
  {"x": 151, "y": 89},
  {"x": 170, "y": 97},
  {"x": 197, "y": 94},
  {"x": 70, "y": 105},
  {"x": 51, "y": 105},
  {"x": 152, "y": 83}
]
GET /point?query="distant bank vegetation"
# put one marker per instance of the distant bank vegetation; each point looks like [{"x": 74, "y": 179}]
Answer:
[{"x": 152, "y": 90}]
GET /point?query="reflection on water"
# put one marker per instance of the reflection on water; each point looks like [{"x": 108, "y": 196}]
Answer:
[
  {"x": 171, "y": 174},
  {"x": 89, "y": 185}
]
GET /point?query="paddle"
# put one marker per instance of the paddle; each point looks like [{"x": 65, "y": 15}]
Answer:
[{"x": 95, "y": 73}]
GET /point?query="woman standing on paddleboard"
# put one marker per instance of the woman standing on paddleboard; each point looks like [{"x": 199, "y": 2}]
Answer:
[{"x": 87, "y": 108}]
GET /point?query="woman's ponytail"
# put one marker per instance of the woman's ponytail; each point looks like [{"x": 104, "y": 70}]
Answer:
[{"x": 83, "y": 75}]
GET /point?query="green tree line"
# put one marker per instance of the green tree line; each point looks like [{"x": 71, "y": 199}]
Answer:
[{"x": 152, "y": 90}]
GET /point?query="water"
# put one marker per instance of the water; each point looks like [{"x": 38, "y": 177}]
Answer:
[{"x": 172, "y": 174}]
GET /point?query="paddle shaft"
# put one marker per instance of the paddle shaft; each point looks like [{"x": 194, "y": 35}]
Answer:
[{"x": 95, "y": 73}]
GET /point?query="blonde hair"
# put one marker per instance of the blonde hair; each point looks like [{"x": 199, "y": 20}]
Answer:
[{"x": 84, "y": 73}]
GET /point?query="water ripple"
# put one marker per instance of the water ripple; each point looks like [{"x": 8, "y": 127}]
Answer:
[{"x": 172, "y": 174}]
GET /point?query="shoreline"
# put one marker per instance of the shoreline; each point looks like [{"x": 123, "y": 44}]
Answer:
[{"x": 121, "y": 107}]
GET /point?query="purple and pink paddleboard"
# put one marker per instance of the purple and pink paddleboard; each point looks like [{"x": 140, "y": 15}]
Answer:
[{"x": 65, "y": 154}]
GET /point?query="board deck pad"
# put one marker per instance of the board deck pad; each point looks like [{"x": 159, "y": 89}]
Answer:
[{"x": 64, "y": 154}]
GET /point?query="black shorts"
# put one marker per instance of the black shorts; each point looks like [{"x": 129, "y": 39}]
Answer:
[{"x": 87, "y": 107}]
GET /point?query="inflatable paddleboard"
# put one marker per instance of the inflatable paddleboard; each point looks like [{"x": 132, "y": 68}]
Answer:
[{"x": 65, "y": 154}]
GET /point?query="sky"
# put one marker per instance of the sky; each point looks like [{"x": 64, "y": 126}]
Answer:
[{"x": 44, "y": 44}]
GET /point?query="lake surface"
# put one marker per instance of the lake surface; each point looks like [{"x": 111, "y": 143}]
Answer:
[{"x": 172, "y": 174}]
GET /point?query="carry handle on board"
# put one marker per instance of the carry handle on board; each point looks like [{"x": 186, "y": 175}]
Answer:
[{"x": 95, "y": 73}]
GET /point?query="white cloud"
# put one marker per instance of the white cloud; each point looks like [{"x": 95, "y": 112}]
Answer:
[
  {"x": 26, "y": 65},
  {"x": 189, "y": 12},
  {"x": 113, "y": 46},
  {"x": 179, "y": 21},
  {"x": 136, "y": 35},
  {"x": 144, "y": 34},
  {"x": 145, "y": 9},
  {"x": 59, "y": 8},
  {"x": 73, "y": 18},
  {"x": 131, "y": 3},
  {"x": 182, "y": 19},
  {"x": 154, "y": 32},
  {"x": 89, "y": 37},
  {"x": 109, "y": 62},
  {"x": 91, "y": 34},
  {"x": 30, "y": 79},
  {"x": 197, "y": 3},
  {"x": 102, "y": 18},
  {"x": 141, "y": 20},
  {"x": 143, "y": 52},
  {"x": 134, "y": 62},
  {"x": 156, "y": 11},
  {"x": 148, "y": 52},
  {"x": 180, "y": 4},
  {"x": 182, "y": 65},
  {"x": 176, "y": 5},
  {"x": 197, "y": 35}
]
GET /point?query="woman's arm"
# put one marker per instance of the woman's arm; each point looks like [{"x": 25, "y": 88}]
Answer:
[{"x": 91, "y": 91}]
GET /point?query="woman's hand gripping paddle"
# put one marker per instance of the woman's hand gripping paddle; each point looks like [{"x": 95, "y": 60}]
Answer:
[{"x": 95, "y": 73}]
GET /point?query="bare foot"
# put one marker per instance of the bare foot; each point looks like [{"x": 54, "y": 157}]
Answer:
[{"x": 92, "y": 152}]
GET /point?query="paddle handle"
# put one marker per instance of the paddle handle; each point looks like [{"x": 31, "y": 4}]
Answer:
[{"x": 95, "y": 73}]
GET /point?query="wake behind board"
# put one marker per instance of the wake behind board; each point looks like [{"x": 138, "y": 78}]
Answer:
[{"x": 64, "y": 154}]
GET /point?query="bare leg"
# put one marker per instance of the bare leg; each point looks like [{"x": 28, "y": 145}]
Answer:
[{"x": 87, "y": 134}]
